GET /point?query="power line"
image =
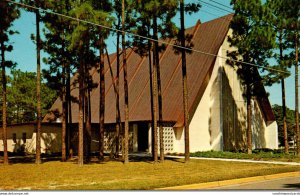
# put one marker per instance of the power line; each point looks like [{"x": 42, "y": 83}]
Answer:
[
  {"x": 212, "y": 10},
  {"x": 140, "y": 36},
  {"x": 220, "y": 17},
  {"x": 220, "y": 8},
  {"x": 221, "y": 4},
  {"x": 214, "y": 7}
]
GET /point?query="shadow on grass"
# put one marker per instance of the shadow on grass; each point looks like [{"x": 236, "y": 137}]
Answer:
[
  {"x": 292, "y": 186},
  {"x": 178, "y": 160},
  {"x": 30, "y": 159}
]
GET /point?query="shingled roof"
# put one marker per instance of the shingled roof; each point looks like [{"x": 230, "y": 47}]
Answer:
[{"x": 207, "y": 37}]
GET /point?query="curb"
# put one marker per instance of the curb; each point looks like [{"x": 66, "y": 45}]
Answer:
[{"x": 214, "y": 184}]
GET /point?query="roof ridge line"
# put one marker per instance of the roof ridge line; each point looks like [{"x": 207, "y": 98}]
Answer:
[
  {"x": 209, "y": 71},
  {"x": 219, "y": 18}
]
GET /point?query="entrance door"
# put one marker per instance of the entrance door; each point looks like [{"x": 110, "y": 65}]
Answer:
[{"x": 143, "y": 137}]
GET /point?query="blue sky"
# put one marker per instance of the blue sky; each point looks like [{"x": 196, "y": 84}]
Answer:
[{"x": 24, "y": 52}]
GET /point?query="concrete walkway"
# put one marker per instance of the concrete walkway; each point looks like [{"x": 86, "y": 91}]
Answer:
[
  {"x": 220, "y": 159},
  {"x": 220, "y": 184},
  {"x": 239, "y": 160}
]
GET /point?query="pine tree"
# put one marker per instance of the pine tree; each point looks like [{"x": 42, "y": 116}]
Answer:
[
  {"x": 184, "y": 83},
  {"x": 79, "y": 39},
  {"x": 126, "y": 110},
  {"x": 38, "y": 86},
  {"x": 297, "y": 90},
  {"x": 103, "y": 10},
  {"x": 182, "y": 38},
  {"x": 291, "y": 11},
  {"x": 290, "y": 122},
  {"x": 21, "y": 99},
  {"x": 293, "y": 26},
  {"x": 128, "y": 24},
  {"x": 8, "y": 13},
  {"x": 278, "y": 21},
  {"x": 60, "y": 61},
  {"x": 84, "y": 36},
  {"x": 254, "y": 42},
  {"x": 157, "y": 15},
  {"x": 117, "y": 8},
  {"x": 144, "y": 48},
  {"x": 37, "y": 4}
]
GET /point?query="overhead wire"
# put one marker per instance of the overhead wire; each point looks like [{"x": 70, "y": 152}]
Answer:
[
  {"x": 141, "y": 36},
  {"x": 211, "y": 6},
  {"x": 220, "y": 8},
  {"x": 201, "y": 10},
  {"x": 213, "y": 10},
  {"x": 220, "y": 4}
]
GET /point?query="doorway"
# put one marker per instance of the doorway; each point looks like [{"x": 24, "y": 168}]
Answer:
[{"x": 143, "y": 137}]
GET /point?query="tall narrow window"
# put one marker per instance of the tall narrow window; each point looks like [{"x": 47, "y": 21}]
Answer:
[
  {"x": 14, "y": 137},
  {"x": 24, "y": 137}
]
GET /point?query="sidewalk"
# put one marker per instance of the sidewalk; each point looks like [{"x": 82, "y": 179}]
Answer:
[
  {"x": 215, "y": 184},
  {"x": 239, "y": 160},
  {"x": 221, "y": 159}
]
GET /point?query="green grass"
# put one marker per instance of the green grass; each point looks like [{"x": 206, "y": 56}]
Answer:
[
  {"x": 114, "y": 175},
  {"x": 271, "y": 155}
]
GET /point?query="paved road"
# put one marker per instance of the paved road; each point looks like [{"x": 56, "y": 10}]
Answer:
[{"x": 289, "y": 183}]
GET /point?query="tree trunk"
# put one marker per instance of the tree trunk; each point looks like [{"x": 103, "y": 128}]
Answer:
[
  {"x": 4, "y": 124},
  {"x": 64, "y": 106},
  {"x": 297, "y": 94},
  {"x": 249, "y": 121},
  {"x": 126, "y": 119},
  {"x": 185, "y": 88},
  {"x": 153, "y": 108},
  {"x": 87, "y": 113},
  {"x": 160, "y": 120},
  {"x": 69, "y": 110},
  {"x": 68, "y": 99},
  {"x": 88, "y": 126},
  {"x": 118, "y": 120},
  {"x": 64, "y": 119},
  {"x": 38, "y": 89},
  {"x": 81, "y": 99},
  {"x": 285, "y": 135},
  {"x": 102, "y": 101},
  {"x": 155, "y": 99}
]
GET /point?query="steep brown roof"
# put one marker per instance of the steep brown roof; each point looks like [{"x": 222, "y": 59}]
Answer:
[{"x": 207, "y": 37}]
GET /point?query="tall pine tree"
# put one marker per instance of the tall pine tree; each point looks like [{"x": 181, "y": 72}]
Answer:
[
  {"x": 278, "y": 73},
  {"x": 85, "y": 36},
  {"x": 61, "y": 60},
  {"x": 293, "y": 28},
  {"x": 8, "y": 13},
  {"x": 156, "y": 16},
  {"x": 254, "y": 42}
]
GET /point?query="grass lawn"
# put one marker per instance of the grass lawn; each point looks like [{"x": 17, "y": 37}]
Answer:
[{"x": 109, "y": 175}]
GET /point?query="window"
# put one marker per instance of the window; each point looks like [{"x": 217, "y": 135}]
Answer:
[
  {"x": 14, "y": 137},
  {"x": 24, "y": 137}
]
